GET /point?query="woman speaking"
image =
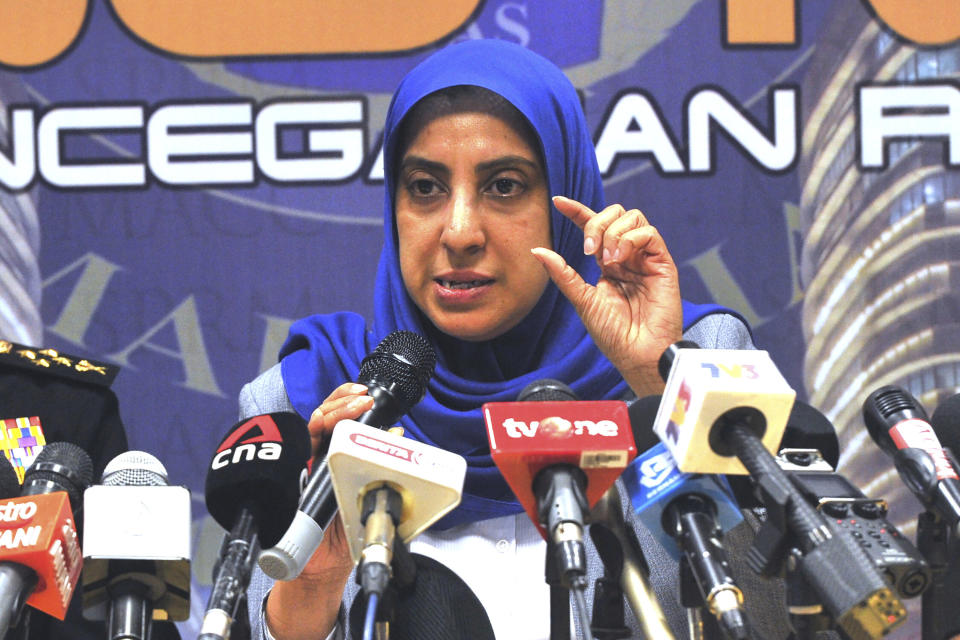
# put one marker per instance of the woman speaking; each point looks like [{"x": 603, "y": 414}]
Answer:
[{"x": 500, "y": 250}]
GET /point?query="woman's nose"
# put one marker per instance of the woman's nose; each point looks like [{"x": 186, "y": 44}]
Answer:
[{"x": 464, "y": 227}]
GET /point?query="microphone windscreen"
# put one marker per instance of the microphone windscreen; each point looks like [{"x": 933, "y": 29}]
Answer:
[
  {"x": 946, "y": 423},
  {"x": 546, "y": 390},
  {"x": 258, "y": 467},
  {"x": 403, "y": 362},
  {"x": 643, "y": 413},
  {"x": 808, "y": 428},
  {"x": 9, "y": 483},
  {"x": 134, "y": 468}
]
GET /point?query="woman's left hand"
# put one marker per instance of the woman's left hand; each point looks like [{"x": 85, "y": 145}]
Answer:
[{"x": 634, "y": 312}]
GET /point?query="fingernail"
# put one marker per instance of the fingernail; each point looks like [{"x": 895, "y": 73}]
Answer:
[
  {"x": 358, "y": 388},
  {"x": 616, "y": 254},
  {"x": 317, "y": 414},
  {"x": 606, "y": 255},
  {"x": 589, "y": 245}
]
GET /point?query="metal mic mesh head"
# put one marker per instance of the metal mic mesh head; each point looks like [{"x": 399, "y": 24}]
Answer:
[
  {"x": 403, "y": 362},
  {"x": 136, "y": 468},
  {"x": 63, "y": 465},
  {"x": 546, "y": 390}
]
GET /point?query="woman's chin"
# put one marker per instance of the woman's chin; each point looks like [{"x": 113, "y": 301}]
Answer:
[{"x": 470, "y": 330}]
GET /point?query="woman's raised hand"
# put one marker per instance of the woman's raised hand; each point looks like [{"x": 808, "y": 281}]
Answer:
[
  {"x": 307, "y": 606},
  {"x": 634, "y": 312}
]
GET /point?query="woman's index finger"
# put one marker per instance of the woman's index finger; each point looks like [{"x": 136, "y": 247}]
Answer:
[{"x": 579, "y": 213}]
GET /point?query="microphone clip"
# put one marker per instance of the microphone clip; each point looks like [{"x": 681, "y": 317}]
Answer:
[{"x": 774, "y": 539}]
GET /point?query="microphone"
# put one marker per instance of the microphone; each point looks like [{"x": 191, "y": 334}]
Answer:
[
  {"x": 946, "y": 422},
  {"x": 136, "y": 547},
  {"x": 721, "y": 399},
  {"x": 9, "y": 488},
  {"x": 252, "y": 490},
  {"x": 387, "y": 486},
  {"x": 936, "y": 537},
  {"x": 898, "y": 423},
  {"x": 702, "y": 386},
  {"x": 9, "y": 482},
  {"x": 396, "y": 373},
  {"x": 693, "y": 511},
  {"x": 41, "y": 561},
  {"x": 559, "y": 457}
]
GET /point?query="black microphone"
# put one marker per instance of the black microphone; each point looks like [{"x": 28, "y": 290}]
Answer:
[
  {"x": 252, "y": 490},
  {"x": 41, "y": 563},
  {"x": 561, "y": 502},
  {"x": 946, "y": 423},
  {"x": 9, "y": 611},
  {"x": 560, "y": 491},
  {"x": 937, "y": 539},
  {"x": 396, "y": 373},
  {"x": 899, "y": 425},
  {"x": 9, "y": 484}
]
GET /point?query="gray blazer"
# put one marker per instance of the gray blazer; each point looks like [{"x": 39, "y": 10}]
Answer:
[{"x": 764, "y": 597}]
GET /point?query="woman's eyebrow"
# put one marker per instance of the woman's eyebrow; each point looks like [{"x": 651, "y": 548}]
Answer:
[
  {"x": 419, "y": 162},
  {"x": 505, "y": 162}
]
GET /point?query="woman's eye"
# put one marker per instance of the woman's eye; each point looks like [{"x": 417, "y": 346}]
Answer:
[
  {"x": 505, "y": 187},
  {"x": 423, "y": 187}
]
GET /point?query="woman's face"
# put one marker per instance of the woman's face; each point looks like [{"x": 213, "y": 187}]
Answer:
[{"x": 471, "y": 201}]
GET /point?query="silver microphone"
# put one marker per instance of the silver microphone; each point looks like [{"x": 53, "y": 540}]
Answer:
[{"x": 136, "y": 547}]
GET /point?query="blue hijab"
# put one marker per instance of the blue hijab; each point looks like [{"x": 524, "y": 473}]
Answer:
[{"x": 323, "y": 351}]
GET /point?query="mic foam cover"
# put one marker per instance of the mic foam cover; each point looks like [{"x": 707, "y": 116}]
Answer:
[
  {"x": 258, "y": 466},
  {"x": 545, "y": 390},
  {"x": 9, "y": 484},
  {"x": 808, "y": 428},
  {"x": 946, "y": 423},
  {"x": 643, "y": 413}
]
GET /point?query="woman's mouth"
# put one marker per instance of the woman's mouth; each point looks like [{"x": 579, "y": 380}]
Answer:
[{"x": 462, "y": 284}]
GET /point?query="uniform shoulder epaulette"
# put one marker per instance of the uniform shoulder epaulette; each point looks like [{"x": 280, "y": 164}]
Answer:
[{"x": 55, "y": 363}]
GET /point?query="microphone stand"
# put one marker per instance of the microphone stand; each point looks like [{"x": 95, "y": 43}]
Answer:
[
  {"x": 608, "y": 621},
  {"x": 559, "y": 597}
]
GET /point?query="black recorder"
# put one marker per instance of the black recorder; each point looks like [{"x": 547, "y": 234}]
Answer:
[{"x": 894, "y": 556}]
